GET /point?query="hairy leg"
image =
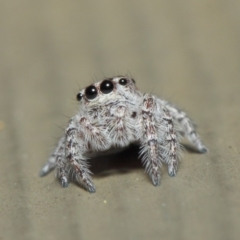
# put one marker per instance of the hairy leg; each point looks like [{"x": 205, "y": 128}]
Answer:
[
  {"x": 187, "y": 126},
  {"x": 171, "y": 145},
  {"x": 149, "y": 140},
  {"x": 83, "y": 138},
  {"x": 76, "y": 164}
]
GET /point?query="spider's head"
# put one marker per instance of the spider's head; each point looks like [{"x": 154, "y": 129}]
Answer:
[{"x": 108, "y": 90}]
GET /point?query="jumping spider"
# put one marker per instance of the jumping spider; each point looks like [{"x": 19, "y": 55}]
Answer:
[{"x": 113, "y": 114}]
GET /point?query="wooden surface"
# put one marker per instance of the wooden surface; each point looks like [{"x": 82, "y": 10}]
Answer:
[{"x": 185, "y": 51}]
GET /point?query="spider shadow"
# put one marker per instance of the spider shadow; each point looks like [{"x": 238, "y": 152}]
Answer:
[
  {"x": 123, "y": 162},
  {"x": 118, "y": 163}
]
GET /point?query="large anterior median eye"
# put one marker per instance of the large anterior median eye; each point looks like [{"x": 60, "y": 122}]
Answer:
[
  {"x": 91, "y": 92},
  {"x": 106, "y": 86},
  {"x": 123, "y": 81}
]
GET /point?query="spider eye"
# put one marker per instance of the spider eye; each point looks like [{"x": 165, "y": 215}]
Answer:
[
  {"x": 106, "y": 86},
  {"x": 123, "y": 81},
  {"x": 79, "y": 96},
  {"x": 133, "y": 81},
  {"x": 91, "y": 92}
]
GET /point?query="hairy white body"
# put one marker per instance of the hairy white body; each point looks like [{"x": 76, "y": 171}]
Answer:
[{"x": 113, "y": 113}]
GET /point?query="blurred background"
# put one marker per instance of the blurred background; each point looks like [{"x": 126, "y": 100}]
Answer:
[{"x": 185, "y": 51}]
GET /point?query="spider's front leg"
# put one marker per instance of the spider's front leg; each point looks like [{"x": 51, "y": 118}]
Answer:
[
  {"x": 82, "y": 138},
  {"x": 170, "y": 143},
  {"x": 75, "y": 162},
  {"x": 150, "y": 151}
]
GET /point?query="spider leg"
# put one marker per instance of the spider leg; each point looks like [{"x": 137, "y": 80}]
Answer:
[
  {"x": 172, "y": 144},
  {"x": 62, "y": 169},
  {"x": 188, "y": 127},
  {"x": 75, "y": 161},
  {"x": 149, "y": 140},
  {"x": 52, "y": 161}
]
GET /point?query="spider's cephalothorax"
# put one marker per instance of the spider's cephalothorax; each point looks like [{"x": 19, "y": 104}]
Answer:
[{"x": 113, "y": 113}]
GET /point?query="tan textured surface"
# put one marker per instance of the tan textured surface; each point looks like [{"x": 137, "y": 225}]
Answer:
[{"x": 185, "y": 51}]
